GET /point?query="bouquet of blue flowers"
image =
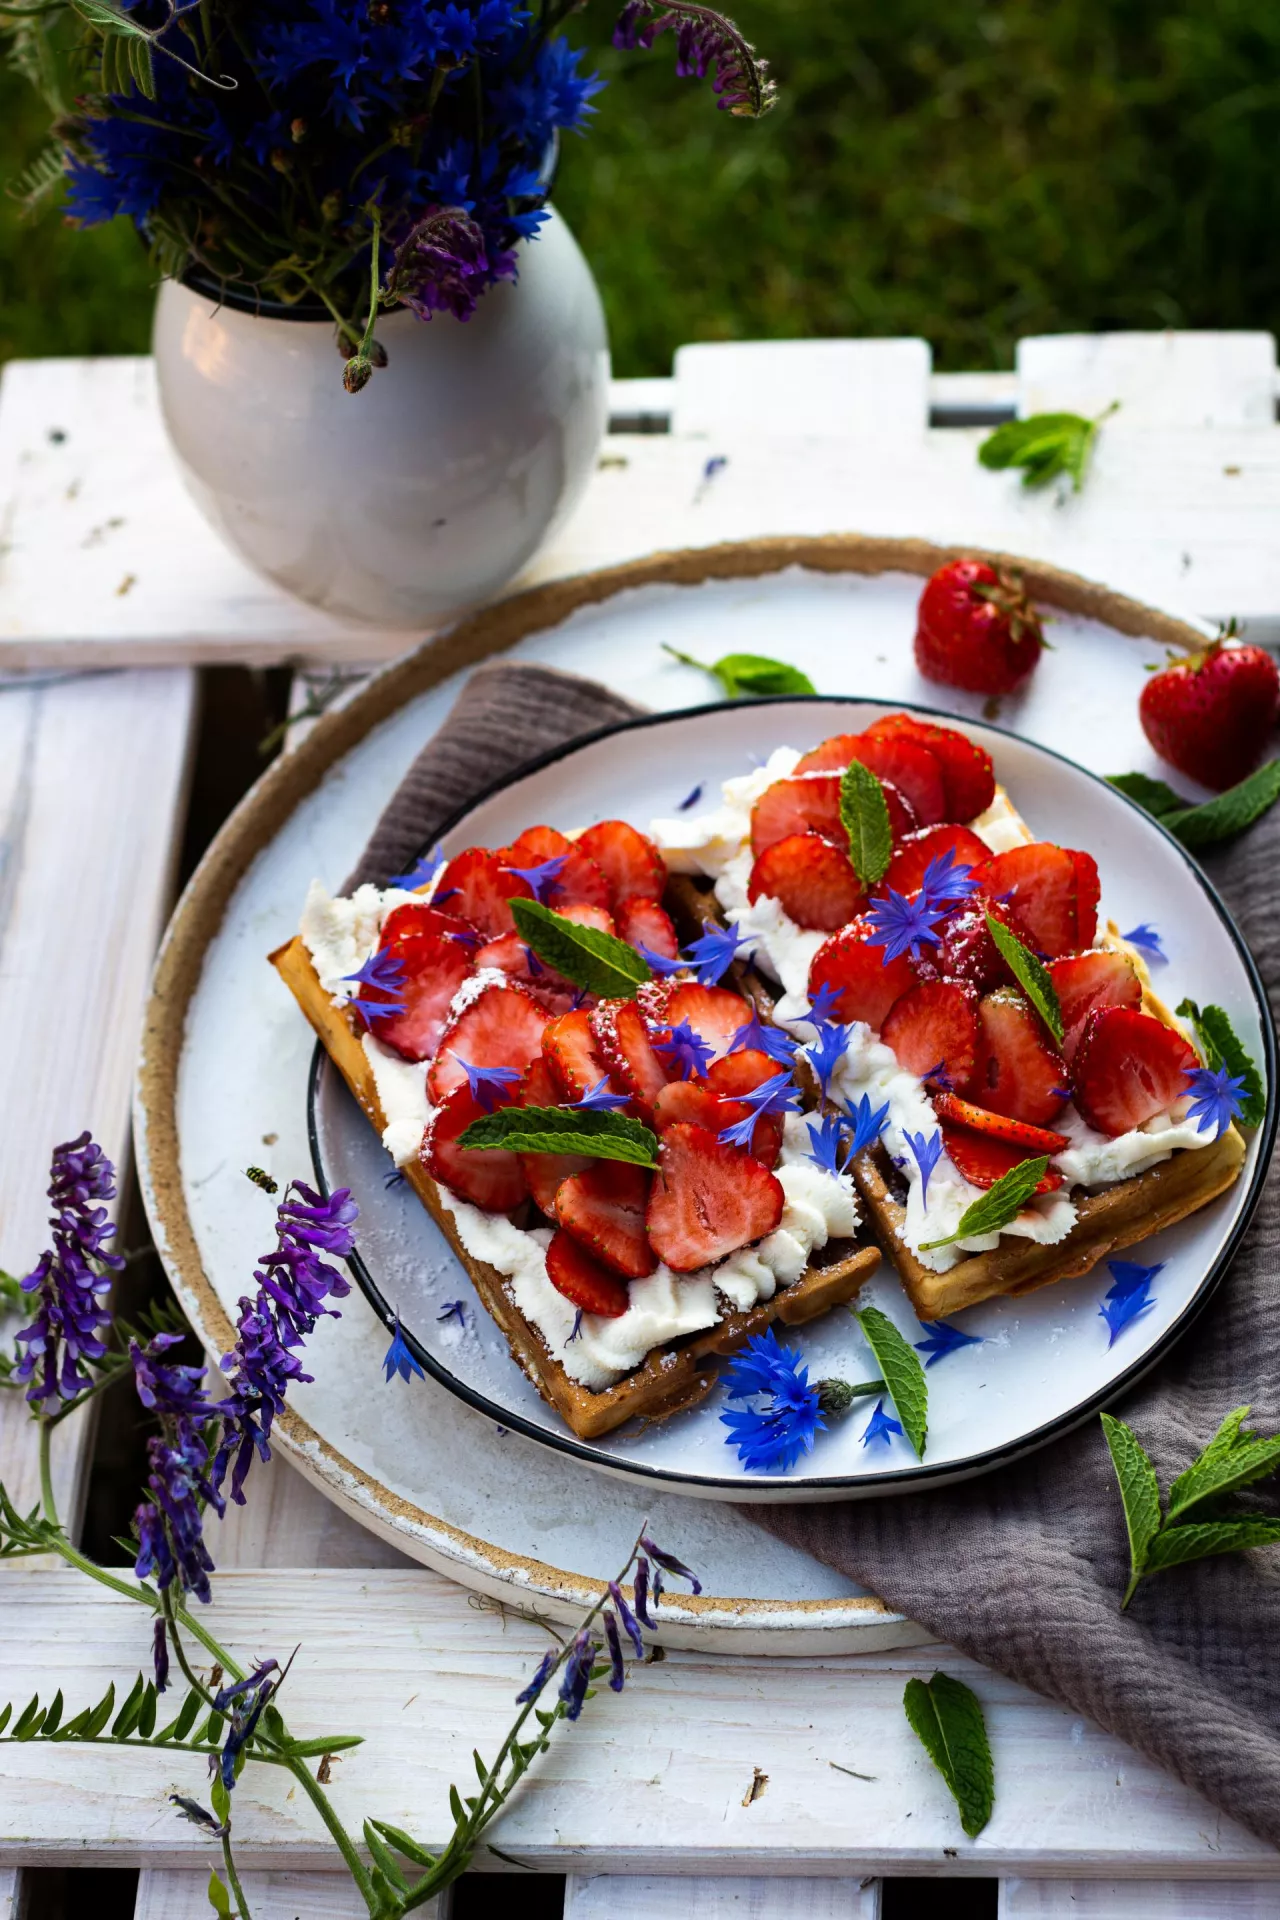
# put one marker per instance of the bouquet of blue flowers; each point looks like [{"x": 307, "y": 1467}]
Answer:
[{"x": 345, "y": 153}]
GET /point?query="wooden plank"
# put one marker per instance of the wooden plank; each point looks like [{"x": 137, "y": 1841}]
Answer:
[
  {"x": 653, "y": 1782},
  {"x": 861, "y": 390},
  {"x": 270, "y": 1896},
  {"x": 1160, "y": 379},
  {"x": 10, "y": 1895},
  {"x": 1145, "y": 1900},
  {"x": 615, "y": 1897}
]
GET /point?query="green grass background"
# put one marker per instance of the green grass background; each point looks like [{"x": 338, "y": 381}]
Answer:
[{"x": 968, "y": 173}]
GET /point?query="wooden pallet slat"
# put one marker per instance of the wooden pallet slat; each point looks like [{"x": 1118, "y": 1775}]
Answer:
[
  {"x": 1138, "y": 1900},
  {"x": 612, "y": 1897},
  {"x": 270, "y": 1896}
]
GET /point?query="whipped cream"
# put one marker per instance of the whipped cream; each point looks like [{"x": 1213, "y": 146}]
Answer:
[{"x": 341, "y": 933}]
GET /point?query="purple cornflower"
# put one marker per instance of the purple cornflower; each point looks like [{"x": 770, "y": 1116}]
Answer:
[
  {"x": 443, "y": 265},
  {"x": 927, "y": 1155},
  {"x": 422, "y": 872},
  {"x": 784, "y": 1418},
  {"x": 486, "y": 1083},
  {"x": 398, "y": 1359},
  {"x": 826, "y": 1052},
  {"x": 542, "y": 878},
  {"x": 946, "y": 882},
  {"x": 880, "y": 1427},
  {"x": 68, "y": 1277},
  {"x": 382, "y": 973},
  {"x": 576, "y": 1675},
  {"x": 754, "y": 1035},
  {"x": 685, "y": 1049},
  {"x": 600, "y": 1099},
  {"x": 902, "y": 925},
  {"x": 1216, "y": 1098},
  {"x": 713, "y": 953}
]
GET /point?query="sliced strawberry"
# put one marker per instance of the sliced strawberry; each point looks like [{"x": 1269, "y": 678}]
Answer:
[
  {"x": 1015, "y": 1133},
  {"x": 912, "y": 855},
  {"x": 569, "y": 1049},
  {"x": 913, "y": 769},
  {"x": 545, "y": 1171},
  {"x": 579, "y": 881},
  {"x": 604, "y": 1209},
  {"x": 714, "y": 1013},
  {"x": 418, "y": 921},
  {"x": 623, "y": 1042},
  {"x": 830, "y": 756},
  {"x": 629, "y": 862},
  {"x": 808, "y": 803},
  {"x": 866, "y": 983},
  {"x": 1087, "y": 894},
  {"x": 1086, "y": 981},
  {"x": 730, "y": 1077},
  {"x": 643, "y": 923},
  {"x": 812, "y": 880},
  {"x": 1020, "y": 1072},
  {"x": 967, "y": 773},
  {"x": 585, "y": 916},
  {"x": 1039, "y": 882},
  {"x": 708, "y": 1199},
  {"x": 1128, "y": 1067},
  {"x": 983, "y": 1159},
  {"x": 691, "y": 1101},
  {"x": 902, "y": 815},
  {"x": 477, "y": 886},
  {"x": 653, "y": 997},
  {"x": 489, "y": 1177},
  {"x": 502, "y": 1027},
  {"x": 508, "y": 954},
  {"x": 573, "y": 1272},
  {"x": 966, "y": 950},
  {"x": 933, "y": 1031},
  {"x": 435, "y": 967}
]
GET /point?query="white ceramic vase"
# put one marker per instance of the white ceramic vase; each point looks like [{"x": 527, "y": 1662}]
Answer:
[{"x": 429, "y": 490}]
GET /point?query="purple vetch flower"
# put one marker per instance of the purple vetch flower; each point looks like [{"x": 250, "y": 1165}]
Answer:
[
  {"x": 617, "y": 1668},
  {"x": 715, "y": 950},
  {"x": 600, "y": 1099},
  {"x": 383, "y": 974},
  {"x": 170, "y": 1524},
  {"x": 443, "y": 265},
  {"x": 243, "y": 1704},
  {"x": 757, "y": 1037},
  {"x": 705, "y": 42},
  {"x": 398, "y": 1360},
  {"x": 539, "y": 1680},
  {"x": 422, "y": 872},
  {"x": 542, "y": 878},
  {"x": 685, "y": 1049},
  {"x": 69, "y": 1278},
  {"x": 177, "y": 1390},
  {"x": 199, "y": 1816},
  {"x": 630, "y": 1625},
  {"x": 927, "y": 1155},
  {"x": 576, "y": 1675},
  {"x": 901, "y": 925},
  {"x": 880, "y": 1427},
  {"x": 1217, "y": 1098},
  {"x": 160, "y": 1653},
  {"x": 486, "y": 1083},
  {"x": 640, "y": 1586},
  {"x": 222, "y": 1700}
]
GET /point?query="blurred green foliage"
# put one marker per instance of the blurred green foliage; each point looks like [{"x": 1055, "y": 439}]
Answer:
[{"x": 967, "y": 173}]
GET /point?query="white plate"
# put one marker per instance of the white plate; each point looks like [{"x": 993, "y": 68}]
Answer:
[{"x": 1044, "y": 1363}]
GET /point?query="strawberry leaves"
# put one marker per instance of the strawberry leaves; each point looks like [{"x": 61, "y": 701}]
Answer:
[
  {"x": 946, "y": 1718},
  {"x": 864, "y": 813},
  {"x": 902, "y": 1373},
  {"x": 999, "y": 1205},
  {"x": 1044, "y": 445},
  {"x": 1215, "y": 820},
  {"x": 598, "y": 962},
  {"x": 1194, "y": 1526},
  {"x": 749, "y": 676},
  {"x": 1031, "y": 974},
  {"x": 598, "y": 1135}
]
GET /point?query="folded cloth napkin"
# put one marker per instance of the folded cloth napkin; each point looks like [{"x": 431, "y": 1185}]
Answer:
[{"x": 1024, "y": 1568}]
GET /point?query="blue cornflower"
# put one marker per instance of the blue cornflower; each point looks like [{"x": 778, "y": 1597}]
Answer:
[
  {"x": 826, "y": 1052},
  {"x": 685, "y": 1049},
  {"x": 755, "y": 1035},
  {"x": 486, "y": 1083},
  {"x": 382, "y": 973},
  {"x": 68, "y": 1279},
  {"x": 927, "y": 1154},
  {"x": 452, "y": 1310},
  {"x": 713, "y": 953},
  {"x": 398, "y": 1359},
  {"x": 772, "y": 1434},
  {"x": 827, "y": 1139},
  {"x": 468, "y": 937},
  {"x": 1147, "y": 941},
  {"x": 542, "y": 878},
  {"x": 1129, "y": 1297},
  {"x": 600, "y": 1099},
  {"x": 823, "y": 1004},
  {"x": 946, "y": 882},
  {"x": 778, "y": 1094},
  {"x": 868, "y": 1123},
  {"x": 661, "y": 964},
  {"x": 944, "y": 1339},
  {"x": 393, "y": 1179},
  {"x": 1217, "y": 1098},
  {"x": 901, "y": 925},
  {"x": 576, "y": 1332},
  {"x": 880, "y": 1427},
  {"x": 690, "y": 799}
]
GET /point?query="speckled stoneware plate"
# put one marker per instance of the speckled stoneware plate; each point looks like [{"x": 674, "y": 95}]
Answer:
[{"x": 466, "y": 1470}]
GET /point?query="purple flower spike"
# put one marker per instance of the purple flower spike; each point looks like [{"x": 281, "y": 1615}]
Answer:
[
  {"x": 165, "y": 1389},
  {"x": 641, "y": 1585},
  {"x": 69, "y": 1277},
  {"x": 630, "y": 1625},
  {"x": 539, "y": 1680},
  {"x": 160, "y": 1654},
  {"x": 617, "y": 1667},
  {"x": 443, "y": 265},
  {"x": 662, "y": 1558},
  {"x": 169, "y": 1525},
  {"x": 576, "y": 1675},
  {"x": 706, "y": 42}
]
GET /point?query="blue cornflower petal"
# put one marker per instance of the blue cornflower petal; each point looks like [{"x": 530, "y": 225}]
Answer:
[
  {"x": 826, "y": 1052},
  {"x": 715, "y": 950},
  {"x": 383, "y": 973},
  {"x": 880, "y": 1427},
  {"x": 868, "y": 1124},
  {"x": 823, "y": 1004},
  {"x": 1147, "y": 941},
  {"x": 1216, "y": 1098},
  {"x": 690, "y": 799},
  {"x": 399, "y": 1360},
  {"x": 771, "y": 1435},
  {"x": 601, "y": 1098},
  {"x": 826, "y": 1138},
  {"x": 756, "y": 1036},
  {"x": 684, "y": 1049},
  {"x": 927, "y": 1154},
  {"x": 542, "y": 878},
  {"x": 454, "y": 1310},
  {"x": 422, "y": 872},
  {"x": 901, "y": 925},
  {"x": 946, "y": 882},
  {"x": 944, "y": 1339},
  {"x": 487, "y": 1082},
  {"x": 1129, "y": 1297},
  {"x": 659, "y": 963}
]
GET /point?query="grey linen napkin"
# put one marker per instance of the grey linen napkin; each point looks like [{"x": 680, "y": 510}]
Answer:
[{"x": 1024, "y": 1568}]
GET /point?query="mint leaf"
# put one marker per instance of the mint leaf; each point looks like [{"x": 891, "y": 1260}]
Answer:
[
  {"x": 1031, "y": 974},
  {"x": 1232, "y": 1460},
  {"x": 903, "y": 1374},
  {"x": 598, "y": 1135},
  {"x": 749, "y": 675},
  {"x": 1139, "y": 1496},
  {"x": 946, "y": 1718},
  {"x": 593, "y": 960},
  {"x": 1000, "y": 1204},
  {"x": 864, "y": 812},
  {"x": 1222, "y": 1047},
  {"x": 1044, "y": 445},
  {"x": 1231, "y": 812},
  {"x": 1157, "y": 797},
  {"x": 1175, "y": 1546}
]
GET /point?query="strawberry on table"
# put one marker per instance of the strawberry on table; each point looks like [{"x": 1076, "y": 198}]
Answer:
[
  {"x": 1128, "y": 1067},
  {"x": 628, "y": 860},
  {"x": 573, "y": 1273},
  {"x": 1020, "y": 1072},
  {"x": 1084, "y": 982},
  {"x": 967, "y": 773},
  {"x": 812, "y": 880},
  {"x": 489, "y": 1177},
  {"x": 579, "y": 881},
  {"x": 501, "y": 1028},
  {"x": 1210, "y": 715},
  {"x": 642, "y": 922},
  {"x": 1040, "y": 883},
  {"x": 708, "y": 1199},
  {"x": 983, "y": 1158},
  {"x": 933, "y": 1031},
  {"x": 977, "y": 629},
  {"x": 604, "y": 1209},
  {"x": 476, "y": 886},
  {"x": 866, "y": 985}
]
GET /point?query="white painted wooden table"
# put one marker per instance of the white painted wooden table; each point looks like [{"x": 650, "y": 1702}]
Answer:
[{"x": 103, "y": 563}]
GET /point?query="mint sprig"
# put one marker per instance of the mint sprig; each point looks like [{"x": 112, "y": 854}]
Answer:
[
  {"x": 946, "y": 1717},
  {"x": 595, "y": 961},
  {"x": 1192, "y": 1527},
  {"x": 864, "y": 812},
  {"x": 597, "y": 1135},
  {"x": 746, "y": 676},
  {"x": 902, "y": 1372},
  {"x": 1031, "y": 975},
  {"x": 1044, "y": 445},
  {"x": 1215, "y": 820},
  {"x": 1222, "y": 1047},
  {"x": 1000, "y": 1204}
]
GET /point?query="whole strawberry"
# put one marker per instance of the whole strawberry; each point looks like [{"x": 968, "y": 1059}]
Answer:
[
  {"x": 977, "y": 629},
  {"x": 1209, "y": 715}
]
